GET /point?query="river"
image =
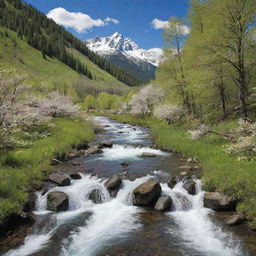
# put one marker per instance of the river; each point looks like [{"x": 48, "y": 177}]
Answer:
[{"x": 116, "y": 227}]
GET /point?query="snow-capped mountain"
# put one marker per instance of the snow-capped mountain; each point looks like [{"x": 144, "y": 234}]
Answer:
[{"x": 126, "y": 53}]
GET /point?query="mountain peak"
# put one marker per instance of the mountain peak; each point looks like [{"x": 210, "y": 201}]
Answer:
[{"x": 118, "y": 44}]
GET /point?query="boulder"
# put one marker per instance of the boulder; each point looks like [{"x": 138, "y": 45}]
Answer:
[
  {"x": 147, "y": 193},
  {"x": 113, "y": 183},
  {"x": 47, "y": 186},
  {"x": 234, "y": 220},
  {"x": 57, "y": 201},
  {"x": 172, "y": 182},
  {"x": 219, "y": 202},
  {"x": 164, "y": 203},
  {"x": 75, "y": 175},
  {"x": 59, "y": 179},
  {"x": 93, "y": 150},
  {"x": 107, "y": 144},
  {"x": 148, "y": 154},
  {"x": 96, "y": 196},
  {"x": 190, "y": 186}
]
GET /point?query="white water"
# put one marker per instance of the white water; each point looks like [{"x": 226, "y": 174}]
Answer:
[
  {"x": 128, "y": 152},
  {"x": 116, "y": 218},
  {"x": 194, "y": 226}
]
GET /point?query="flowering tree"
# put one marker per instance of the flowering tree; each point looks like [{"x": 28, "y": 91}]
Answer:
[
  {"x": 143, "y": 102},
  {"x": 245, "y": 142},
  {"x": 19, "y": 112},
  {"x": 169, "y": 113}
]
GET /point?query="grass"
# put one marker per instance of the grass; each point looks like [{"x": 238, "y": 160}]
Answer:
[
  {"x": 48, "y": 73},
  {"x": 23, "y": 169},
  {"x": 222, "y": 172}
]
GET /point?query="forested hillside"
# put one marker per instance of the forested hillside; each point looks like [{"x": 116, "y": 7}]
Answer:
[{"x": 52, "y": 40}]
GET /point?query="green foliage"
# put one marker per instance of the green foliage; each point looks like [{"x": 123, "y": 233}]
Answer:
[
  {"x": 52, "y": 40},
  {"x": 89, "y": 103},
  {"x": 21, "y": 169}
]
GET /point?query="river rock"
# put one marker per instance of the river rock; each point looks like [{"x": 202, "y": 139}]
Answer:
[
  {"x": 47, "y": 186},
  {"x": 164, "y": 203},
  {"x": 148, "y": 154},
  {"x": 124, "y": 164},
  {"x": 172, "y": 182},
  {"x": 96, "y": 196},
  {"x": 147, "y": 193},
  {"x": 59, "y": 179},
  {"x": 186, "y": 168},
  {"x": 190, "y": 186},
  {"x": 234, "y": 220},
  {"x": 113, "y": 183},
  {"x": 31, "y": 203},
  {"x": 75, "y": 175},
  {"x": 57, "y": 201},
  {"x": 93, "y": 150},
  {"x": 55, "y": 162},
  {"x": 107, "y": 144},
  {"x": 219, "y": 202},
  {"x": 74, "y": 154},
  {"x": 183, "y": 174}
]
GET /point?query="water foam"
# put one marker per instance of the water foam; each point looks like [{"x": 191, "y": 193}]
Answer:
[{"x": 119, "y": 152}]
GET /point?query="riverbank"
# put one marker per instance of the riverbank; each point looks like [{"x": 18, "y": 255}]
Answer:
[
  {"x": 222, "y": 172},
  {"x": 23, "y": 169}
]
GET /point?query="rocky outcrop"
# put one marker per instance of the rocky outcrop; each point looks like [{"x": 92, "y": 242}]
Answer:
[
  {"x": 190, "y": 186},
  {"x": 164, "y": 203},
  {"x": 219, "y": 202},
  {"x": 147, "y": 194},
  {"x": 59, "y": 179},
  {"x": 234, "y": 220},
  {"x": 96, "y": 196},
  {"x": 113, "y": 184},
  {"x": 148, "y": 154},
  {"x": 57, "y": 201},
  {"x": 172, "y": 182}
]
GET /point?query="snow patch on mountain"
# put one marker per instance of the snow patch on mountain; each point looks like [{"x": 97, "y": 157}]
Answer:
[{"x": 118, "y": 44}]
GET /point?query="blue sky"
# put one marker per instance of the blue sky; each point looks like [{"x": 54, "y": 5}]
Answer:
[{"x": 132, "y": 18}]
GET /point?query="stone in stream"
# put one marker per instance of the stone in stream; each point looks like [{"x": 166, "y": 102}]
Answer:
[
  {"x": 113, "y": 184},
  {"x": 219, "y": 202},
  {"x": 190, "y": 186},
  {"x": 148, "y": 154},
  {"x": 172, "y": 182},
  {"x": 47, "y": 186},
  {"x": 124, "y": 164},
  {"x": 107, "y": 144},
  {"x": 59, "y": 179},
  {"x": 164, "y": 203},
  {"x": 75, "y": 175},
  {"x": 93, "y": 150},
  {"x": 57, "y": 201},
  {"x": 31, "y": 203},
  {"x": 96, "y": 196},
  {"x": 234, "y": 220},
  {"x": 147, "y": 194}
]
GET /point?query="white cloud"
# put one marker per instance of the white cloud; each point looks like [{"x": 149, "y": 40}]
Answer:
[
  {"x": 108, "y": 20},
  {"x": 77, "y": 20},
  {"x": 161, "y": 24}
]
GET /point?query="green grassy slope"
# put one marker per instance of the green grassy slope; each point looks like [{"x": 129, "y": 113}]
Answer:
[{"x": 47, "y": 73}]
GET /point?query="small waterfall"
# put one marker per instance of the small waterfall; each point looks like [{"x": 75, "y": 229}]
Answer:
[{"x": 194, "y": 227}]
